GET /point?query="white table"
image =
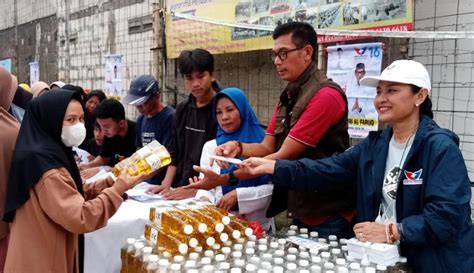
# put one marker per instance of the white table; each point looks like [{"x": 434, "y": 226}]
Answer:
[{"x": 102, "y": 247}]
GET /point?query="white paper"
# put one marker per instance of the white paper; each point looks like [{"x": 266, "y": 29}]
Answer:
[
  {"x": 228, "y": 159},
  {"x": 83, "y": 154}
]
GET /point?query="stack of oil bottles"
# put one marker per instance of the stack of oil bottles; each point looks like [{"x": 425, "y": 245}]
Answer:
[{"x": 171, "y": 244}]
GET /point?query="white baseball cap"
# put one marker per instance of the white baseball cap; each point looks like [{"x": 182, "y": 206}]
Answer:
[{"x": 402, "y": 71}]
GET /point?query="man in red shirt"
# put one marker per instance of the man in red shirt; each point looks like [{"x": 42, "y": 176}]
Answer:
[{"x": 309, "y": 120}]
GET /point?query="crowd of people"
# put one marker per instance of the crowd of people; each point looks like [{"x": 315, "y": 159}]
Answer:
[{"x": 397, "y": 186}]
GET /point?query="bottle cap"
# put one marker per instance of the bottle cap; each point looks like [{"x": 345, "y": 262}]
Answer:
[
  {"x": 163, "y": 262},
  {"x": 292, "y": 250},
  {"x": 273, "y": 245},
  {"x": 291, "y": 257},
  {"x": 202, "y": 228},
  {"x": 210, "y": 241},
  {"x": 224, "y": 237},
  {"x": 249, "y": 251},
  {"x": 183, "y": 248},
  {"x": 226, "y": 250},
  {"x": 153, "y": 258},
  {"x": 304, "y": 263},
  {"x": 235, "y": 270},
  {"x": 220, "y": 257},
  {"x": 291, "y": 266},
  {"x": 236, "y": 254},
  {"x": 178, "y": 259},
  {"x": 248, "y": 232},
  {"x": 188, "y": 229},
  {"x": 340, "y": 261},
  {"x": 303, "y": 230},
  {"x": 280, "y": 253},
  {"x": 219, "y": 227},
  {"x": 313, "y": 234},
  {"x": 369, "y": 270},
  {"x": 193, "y": 255},
  {"x": 193, "y": 242},
  {"x": 304, "y": 255},
  {"x": 236, "y": 234},
  {"x": 147, "y": 250},
  {"x": 190, "y": 263},
  {"x": 224, "y": 266},
  {"x": 209, "y": 253},
  {"x": 206, "y": 260},
  {"x": 208, "y": 268},
  {"x": 278, "y": 269},
  {"x": 294, "y": 227},
  {"x": 240, "y": 241},
  {"x": 167, "y": 255},
  {"x": 250, "y": 267},
  {"x": 325, "y": 254},
  {"x": 175, "y": 267},
  {"x": 239, "y": 262},
  {"x": 216, "y": 247},
  {"x": 332, "y": 238},
  {"x": 251, "y": 244},
  {"x": 238, "y": 247},
  {"x": 225, "y": 220}
]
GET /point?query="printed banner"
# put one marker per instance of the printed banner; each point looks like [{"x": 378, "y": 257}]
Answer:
[
  {"x": 347, "y": 64},
  {"x": 7, "y": 64},
  {"x": 34, "y": 72},
  {"x": 113, "y": 76},
  {"x": 184, "y": 34}
]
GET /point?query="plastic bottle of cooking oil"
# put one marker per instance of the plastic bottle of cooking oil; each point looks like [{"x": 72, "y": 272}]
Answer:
[{"x": 166, "y": 240}]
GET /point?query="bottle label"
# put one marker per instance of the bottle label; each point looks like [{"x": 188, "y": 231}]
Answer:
[
  {"x": 154, "y": 161},
  {"x": 151, "y": 234},
  {"x": 156, "y": 214}
]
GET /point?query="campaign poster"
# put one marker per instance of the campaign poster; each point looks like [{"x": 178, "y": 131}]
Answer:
[
  {"x": 34, "y": 72},
  {"x": 347, "y": 65},
  {"x": 113, "y": 75}
]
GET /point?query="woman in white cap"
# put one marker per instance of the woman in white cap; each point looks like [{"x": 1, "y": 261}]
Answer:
[{"x": 412, "y": 182}]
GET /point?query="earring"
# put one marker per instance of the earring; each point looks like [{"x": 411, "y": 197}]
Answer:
[{"x": 417, "y": 104}]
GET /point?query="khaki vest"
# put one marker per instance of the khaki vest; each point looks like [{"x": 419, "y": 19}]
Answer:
[{"x": 293, "y": 102}]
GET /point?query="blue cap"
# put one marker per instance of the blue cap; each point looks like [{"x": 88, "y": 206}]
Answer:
[{"x": 141, "y": 89}]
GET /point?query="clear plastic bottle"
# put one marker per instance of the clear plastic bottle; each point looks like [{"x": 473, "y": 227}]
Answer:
[
  {"x": 152, "y": 264},
  {"x": 316, "y": 260},
  {"x": 226, "y": 251},
  {"x": 273, "y": 247},
  {"x": 267, "y": 257},
  {"x": 255, "y": 260},
  {"x": 325, "y": 256},
  {"x": 278, "y": 261},
  {"x": 133, "y": 262},
  {"x": 163, "y": 265},
  {"x": 291, "y": 267},
  {"x": 125, "y": 251},
  {"x": 316, "y": 269},
  {"x": 143, "y": 259},
  {"x": 328, "y": 266},
  {"x": 336, "y": 253},
  {"x": 175, "y": 268},
  {"x": 355, "y": 268},
  {"x": 178, "y": 259},
  {"x": 236, "y": 255},
  {"x": 208, "y": 268},
  {"x": 314, "y": 235},
  {"x": 266, "y": 265},
  {"x": 262, "y": 249},
  {"x": 314, "y": 252},
  {"x": 281, "y": 243},
  {"x": 249, "y": 252},
  {"x": 250, "y": 268}
]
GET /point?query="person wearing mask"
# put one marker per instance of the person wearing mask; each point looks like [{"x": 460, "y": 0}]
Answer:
[
  {"x": 9, "y": 126},
  {"x": 412, "y": 182},
  {"x": 38, "y": 88},
  {"x": 193, "y": 122},
  {"x": 120, "y": 133},
  {"x": 50, "y": 196},
  {"x": 309, "y": 120},
  {"x": 155, "y": 121},
  {"x": 237, "y": 121}
]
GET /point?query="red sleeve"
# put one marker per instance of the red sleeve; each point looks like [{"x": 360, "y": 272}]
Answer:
[
  {"x": 271, "y": 123},
  {"x": 323, "y": 111}
]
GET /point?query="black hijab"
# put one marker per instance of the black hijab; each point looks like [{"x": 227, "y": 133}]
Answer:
[{"x": 39, "y": 148}]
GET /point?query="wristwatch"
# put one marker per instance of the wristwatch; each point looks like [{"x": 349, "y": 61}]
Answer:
[{"x": 232, "y": 179}]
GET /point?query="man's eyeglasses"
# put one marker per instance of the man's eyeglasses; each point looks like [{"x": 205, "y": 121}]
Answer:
[{"x": 283, "y": 54}]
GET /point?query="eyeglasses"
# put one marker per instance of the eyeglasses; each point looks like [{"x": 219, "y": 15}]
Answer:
[{"x": 283, "y": 54}]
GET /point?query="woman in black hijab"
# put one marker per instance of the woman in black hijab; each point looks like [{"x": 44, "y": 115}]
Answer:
[{"x": 46, "y": 200}]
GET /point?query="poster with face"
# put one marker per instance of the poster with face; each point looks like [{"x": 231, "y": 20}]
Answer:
[
  {"x": 347, "y": 65},
  {"x": 113, "y": 75},
  {"x": 34, "y": 72}
]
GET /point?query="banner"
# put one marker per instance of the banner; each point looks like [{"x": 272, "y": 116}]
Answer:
[
  {"x": 7, "y": 64},
  {"x": 347, "y": 64},
  {"x": 218, "y": 38},
  {"x": 34, "y": 72},
  {"x": 113, "y": 75}
]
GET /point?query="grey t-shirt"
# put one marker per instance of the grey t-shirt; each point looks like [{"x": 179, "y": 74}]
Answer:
[{"x": 396, "y": 157}]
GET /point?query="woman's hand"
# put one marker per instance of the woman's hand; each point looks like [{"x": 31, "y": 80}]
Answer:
[
  {"x": 132, "y": 181},
  {"x": 370, "y": 232},
  {"x": 228, "y": 149},
  {"x": 210, "y": 180},
  {"x": 158, "y": 189},
  {"x": 228, "y": 201},
  {"x": 257, "y": 166}
]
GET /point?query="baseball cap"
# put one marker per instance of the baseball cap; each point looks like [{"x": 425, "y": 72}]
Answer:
[
  {"x": 141, "y": 89},
  {"x": 401, "y": 71}
]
